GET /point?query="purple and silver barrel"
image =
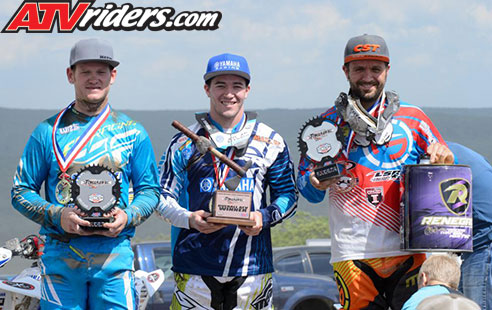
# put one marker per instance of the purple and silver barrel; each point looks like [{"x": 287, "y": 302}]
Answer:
[{"x": 437, "y": 208}]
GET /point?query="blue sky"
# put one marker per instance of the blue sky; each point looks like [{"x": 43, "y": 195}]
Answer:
[{"x": 440, "y": 54}]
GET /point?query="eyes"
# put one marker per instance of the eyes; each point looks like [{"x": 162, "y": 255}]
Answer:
[
  {"x": 374, "y": 69},
  {"x": 235, "y": 86},
  {"x": 98, "y": 72}
]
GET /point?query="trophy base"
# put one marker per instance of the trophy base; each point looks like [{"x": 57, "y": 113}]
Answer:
[
  {"x": 97, "y": 222},
  {"x": 327, "y": 172},
  {"x": 230, "y": 221}
]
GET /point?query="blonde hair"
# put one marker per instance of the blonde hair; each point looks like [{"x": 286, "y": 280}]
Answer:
[
  {"x": 443, "y": 268},
  {"x": 448, "y": 302}
]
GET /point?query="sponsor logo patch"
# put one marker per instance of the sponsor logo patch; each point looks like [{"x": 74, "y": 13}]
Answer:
[
  {"x": 455, "y": 194},
  {"x": 206, "y": 185},
  {"x": 374, "y": 195},
  {"x": 384, "y": 175}
]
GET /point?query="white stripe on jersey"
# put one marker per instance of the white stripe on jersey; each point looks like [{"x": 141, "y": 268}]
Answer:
[
  {"x": 230, "y": 255},
  {"x": 355, "y": 203}
]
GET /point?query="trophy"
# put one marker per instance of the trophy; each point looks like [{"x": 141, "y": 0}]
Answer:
[
  {"x": 96, "y": 191},
  {"x": 228, "y": 207},
  {"x": 231, "y": 207},
  {"x": 321, "y": 141}
]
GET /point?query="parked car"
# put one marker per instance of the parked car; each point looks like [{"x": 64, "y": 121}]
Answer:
[
  {"x": 291, "y": 291},
  {"x": 305, "y": 259}
]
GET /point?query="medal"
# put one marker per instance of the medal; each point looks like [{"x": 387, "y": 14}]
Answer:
[
  {"x": 63, "y": 191},
  {"x": 63, "y": 187}
]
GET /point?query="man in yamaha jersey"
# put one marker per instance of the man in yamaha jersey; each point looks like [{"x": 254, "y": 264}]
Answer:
[
  {"x": 84, "y": 268},
  {"x": 221, "y": 266},
  {"x": 380, "y": 136}
]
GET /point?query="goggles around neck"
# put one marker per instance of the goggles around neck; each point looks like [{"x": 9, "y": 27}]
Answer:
[{"x": 366, "y": 127}]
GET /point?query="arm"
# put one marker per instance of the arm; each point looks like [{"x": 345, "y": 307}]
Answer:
[
  {"x": 429, "y": 139},
  {"x": 31, "y": 172},
  {"x": 144, "y": 178},
  {"x": 305, "y": 183},
  {"x": 173, "y": 177},
  {"x": 283, "y": 193}
]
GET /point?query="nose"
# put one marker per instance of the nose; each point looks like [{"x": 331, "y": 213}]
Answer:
[
  {"x": 367, "y": 76},
  {"x": 228, "y": 92}
]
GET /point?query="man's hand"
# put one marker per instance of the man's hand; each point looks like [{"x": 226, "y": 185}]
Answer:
[
  {"x": 114, "y": 228},
  {"x": 198, "y": 221},
  {"x": 321, "y": 185},
  {"x": 72, "y": 223},
  {"x": 440, "y": 154},
  {"x": 254, "y": 230}
]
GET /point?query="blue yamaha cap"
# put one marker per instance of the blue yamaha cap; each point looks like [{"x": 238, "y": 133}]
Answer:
[{"x": 227, "y": 64}]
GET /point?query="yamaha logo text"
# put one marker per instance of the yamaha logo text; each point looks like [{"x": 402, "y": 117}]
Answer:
[{"x": 42, "y": 16}]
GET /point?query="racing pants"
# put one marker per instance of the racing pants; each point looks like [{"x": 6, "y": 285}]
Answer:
[
  {"x": 377, "y": 283},
  {"x": 222, "y": 293},
  {"x": 88, "y": 272}
]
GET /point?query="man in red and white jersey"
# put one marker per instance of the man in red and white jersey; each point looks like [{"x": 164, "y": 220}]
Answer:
[{"x": 379, "y": 136}]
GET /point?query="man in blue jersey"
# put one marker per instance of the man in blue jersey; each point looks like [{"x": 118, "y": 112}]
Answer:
[
  {"x": 476, "y": 269},
  {"x": 83, "y": 268},
  {"x": 225, "y": 266}
]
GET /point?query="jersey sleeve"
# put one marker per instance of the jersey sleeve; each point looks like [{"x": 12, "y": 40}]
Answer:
[
  {"x": 308, "y": 191},
  {"x": 31, "y": 172},
  {"x": 283, "y": 192},
  {"x": 423, "y": 130},
  {"x": 172, "y": 179},
  {"x": 144, "y": 178}
]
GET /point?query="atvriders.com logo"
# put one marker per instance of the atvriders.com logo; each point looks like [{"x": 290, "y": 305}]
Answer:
[{"x": 41, "y": 16}]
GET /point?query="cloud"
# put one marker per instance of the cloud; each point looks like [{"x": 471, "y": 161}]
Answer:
[{"x": 481, "y": 15}]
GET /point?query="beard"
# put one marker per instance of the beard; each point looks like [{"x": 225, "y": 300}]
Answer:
[{"x": 366, "y": 99}]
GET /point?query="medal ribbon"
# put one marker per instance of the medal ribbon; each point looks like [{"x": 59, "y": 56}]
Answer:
[
  {"x": 94, "y": 125},
  {"x": 217, "y": 171}
]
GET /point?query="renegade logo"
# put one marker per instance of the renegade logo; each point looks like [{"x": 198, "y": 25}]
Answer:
[
  {"x": 455, "y": 194},
  {"x": 41, "y": 16}
]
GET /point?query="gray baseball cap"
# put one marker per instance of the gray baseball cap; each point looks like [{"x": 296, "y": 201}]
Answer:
[
  {"x": 366, "y": 46},
  {"x": 92, "y": 50}
]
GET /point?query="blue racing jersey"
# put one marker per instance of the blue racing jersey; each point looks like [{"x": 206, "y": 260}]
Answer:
[
  {"x": 188, "y": 182},
  {"x": 120, "y": 144}
]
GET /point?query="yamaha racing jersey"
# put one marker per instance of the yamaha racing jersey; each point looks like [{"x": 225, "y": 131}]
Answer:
[
  {"x": 120, "y": 144},
  {"x": 365, "y": 203},
  {"x": 188, "y": 181}
]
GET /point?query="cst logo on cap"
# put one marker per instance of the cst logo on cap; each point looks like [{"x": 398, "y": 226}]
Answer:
[{"x": 366, "y": 47}]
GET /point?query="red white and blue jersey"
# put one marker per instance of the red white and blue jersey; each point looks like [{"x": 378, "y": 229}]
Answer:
[
  {"x": 188, "y": 181},
  {"x": 365, "y": 215}
]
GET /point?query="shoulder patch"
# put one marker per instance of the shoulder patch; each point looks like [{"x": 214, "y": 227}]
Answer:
[{"x": 266, "y": 140}]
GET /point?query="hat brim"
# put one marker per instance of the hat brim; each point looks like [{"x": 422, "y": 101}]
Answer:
[
  {"x": 211, "y": 75},
  {"x": 112, "y": 63},
  {"x": 366, "y": 57}
]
